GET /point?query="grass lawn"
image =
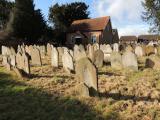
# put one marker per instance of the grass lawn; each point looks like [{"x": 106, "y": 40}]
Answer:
[{"x": 19, "y": 101}]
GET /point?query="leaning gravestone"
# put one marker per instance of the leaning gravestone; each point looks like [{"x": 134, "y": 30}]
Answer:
[
  {"x": 26, "y": 66},
  {"x": 139, "y": 51},
  {"x": 91, "y": 53},
  {"x": 149, "y": 50},
  {"x": 67, "y": 61},
  {"x": 36, "y": 57},
  {"x": 98, "y": 58},
  {"x": 116, "y": 61},
  {"x": 54, "y": 57},
  {"x": 79, "y": 53},
  {"x": 129, "y": 61},
  {"x": 87, "y": 74},
  {"x": 153, "y": 62}
]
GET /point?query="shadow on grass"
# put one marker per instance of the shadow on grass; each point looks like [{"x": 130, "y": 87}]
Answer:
[
  {"x": 118, "y": 96},
  {"x": 108, "y": 73},
  {"x": 21, "y": 102}
]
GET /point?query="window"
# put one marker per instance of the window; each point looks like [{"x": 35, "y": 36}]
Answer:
[
  {"x": 72, "y": 39},
  {"x": 94, "y": 39}
]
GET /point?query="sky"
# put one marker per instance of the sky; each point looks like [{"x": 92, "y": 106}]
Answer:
[{"x": 125, "y": 14}]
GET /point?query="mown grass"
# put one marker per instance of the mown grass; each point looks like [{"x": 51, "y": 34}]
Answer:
[{"x": 19, "y": 101}]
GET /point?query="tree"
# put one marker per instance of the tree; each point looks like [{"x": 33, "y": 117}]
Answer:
[
  {"x": 5, "y": 9},
  {"x": 152, "y": 14},
  {"x": 26, "y": 23},
  {"x": 62, "y": 16}
]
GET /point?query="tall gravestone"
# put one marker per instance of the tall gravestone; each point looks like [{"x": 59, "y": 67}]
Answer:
[
  {"x": 129, "y": 61},
  {"x": 87, "y": 74},
  {"x": 67, "y": 61},
  {"x": 98, "y": 58},
  {"x": 116, "y": 61},
  {"x": 36, "y": 57},
  {"x": 115, "y": 47},
  {"x": 139, "y": 51},
  {"x": 54, "y": 57}
]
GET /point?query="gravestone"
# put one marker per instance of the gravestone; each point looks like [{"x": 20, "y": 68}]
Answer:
[
  {"x": 129, "y": 61},
  {"x": 54, "y": 57},
  {"x": 116, "y": 47},
  {"x": 91, "y": 53},
  {"x": 13, "y": 52},
  {"x": 49, "y": 49},
  {"x": 79, "y": 53},
  {"x": 19, "y": 60},
  {"x": 149, "y": 50},
  {"x": 67, "y": 61},
  {"x": 8, "y": 66},
  {"x": 153, "y": 62},
  {"x": 129, "y": 48},
  {"x": 36, "y": 57},
  {"x": 60, "y": 53},
  {"x": 87, "y": 74},
  {"x": 98, "y": 58},
  {"x": 13, "y": 60},
  {"x": 5, "y": 60},
  {"x": 116, "y": 61},
  {"x": 42, "y": 50},
  {"x": 96, "y": 46},
  {"x": 26, "y": 66},
  {"x": 107, "y": 50},
  {"x": 139, "y": 51}
]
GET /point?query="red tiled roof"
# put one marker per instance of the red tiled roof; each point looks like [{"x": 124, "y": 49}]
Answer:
[
  {"x": 128, "y": 38},
  {"x": 149, "y": 37},
  {"x": 95, "y": 24}
]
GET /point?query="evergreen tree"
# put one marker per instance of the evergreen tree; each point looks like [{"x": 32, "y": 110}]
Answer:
[
  {"x": 26, "y": 23},
  {"x": 152, "y": 14},
  {"x": 62, "y": 16},
  {"x": 5, "y": 9}
]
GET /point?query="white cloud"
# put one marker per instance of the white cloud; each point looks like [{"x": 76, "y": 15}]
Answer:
[
  {"x": 133, "y": 30},
  {"x": 119, "y": 9},
  {"x": 125, "y": 15}
]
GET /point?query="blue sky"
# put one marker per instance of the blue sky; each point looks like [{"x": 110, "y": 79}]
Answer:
[{"x": 125, "y": 14}]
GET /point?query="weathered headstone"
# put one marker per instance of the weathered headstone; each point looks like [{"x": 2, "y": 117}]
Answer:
[
  {"x": 98, "y": 58},
  {"x": 13, "y": 60},
  {"x": 96, "y": 46},
  {"x": 26, "y": 67},
  {"x": 49, "y": 49},
  {"x": 149, "y": 50},
  {"x": 54, "y": 57},
  {"x": 36, "y": 57},
  {"x": 116, "y": 47},
  {"x": 91, "y": 52},
  {"x": 139, "y": 51},
  {"x": 87, "y": 74},
  {"x": 19, "y": 60},
  {"x": 116, "y": 61},
  {"x": 5, "y": 60},
  {"x": 107, "y": 50},
  {"x": 79, "y": 53},
  {"x": 67, "y": 61},
  {"x": 60, "y": 53},
  {"x": 153, "y": 62},
  {"x": 129, "y": 61}
]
